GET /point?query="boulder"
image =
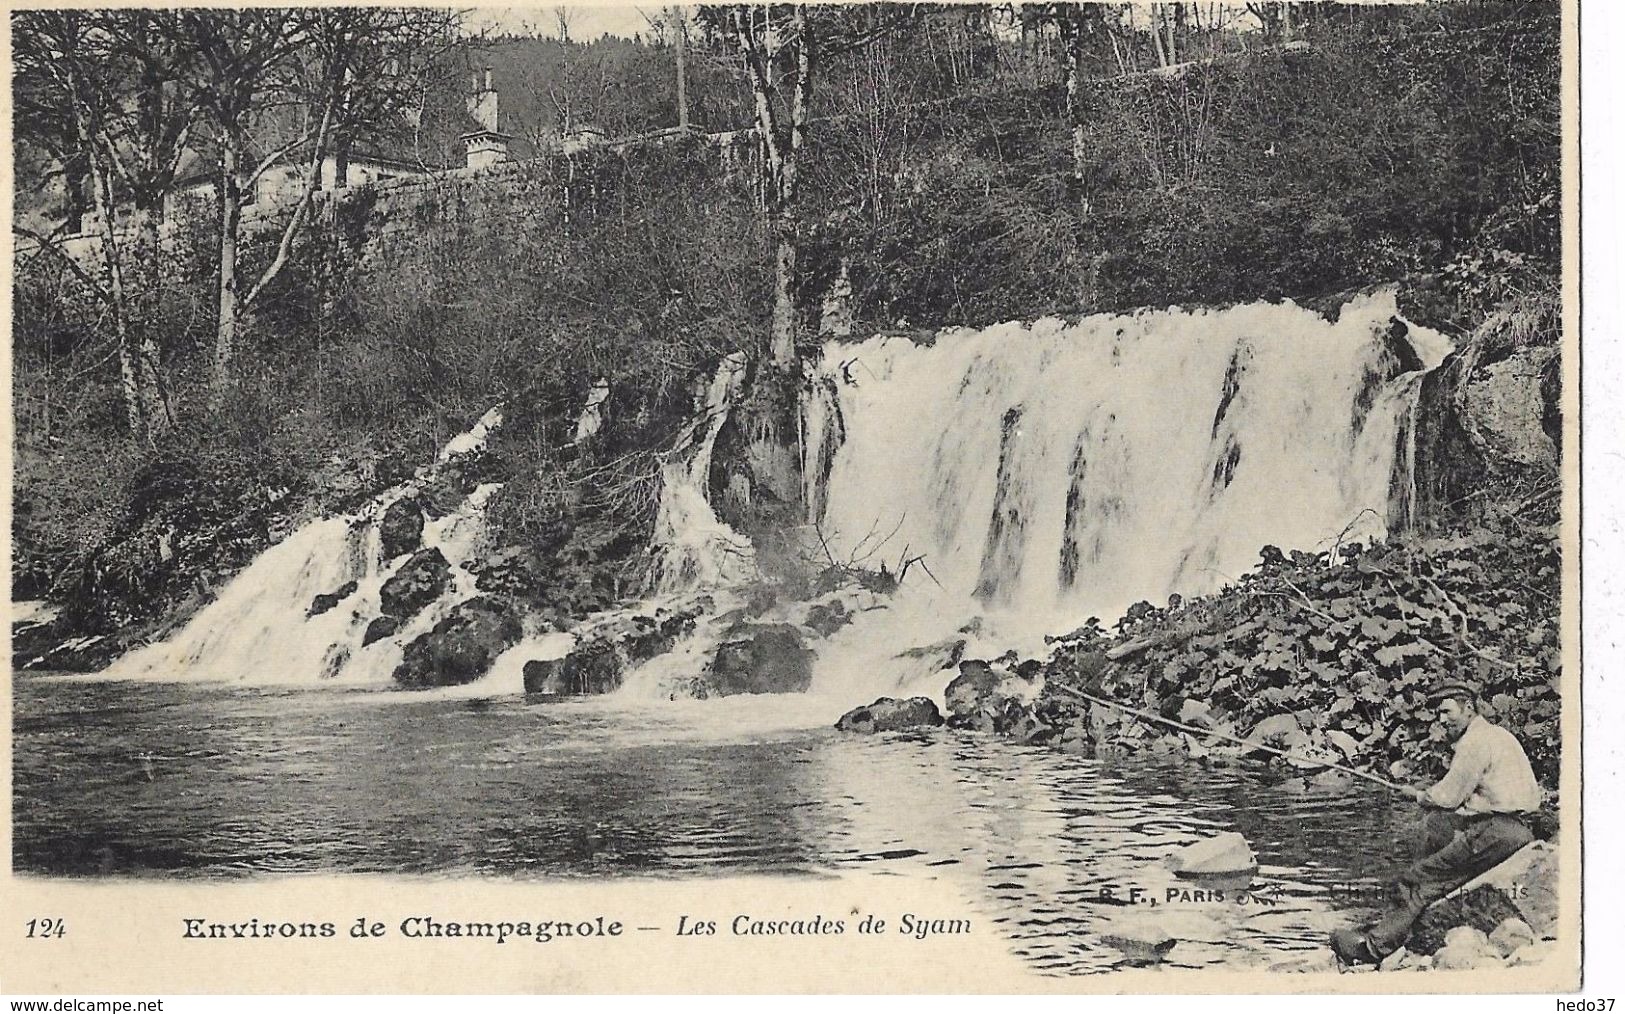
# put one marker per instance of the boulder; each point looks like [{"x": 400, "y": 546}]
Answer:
[
  {"x": 1511, "y": 936},
  {"x": 1529, "y": 880},
  {"x": 326, "y": 601},
  {"x": 1482, "y": 908},
  {"x": 461, "y": 647},
  {"x": 759, "y": 658},
  {"x": 424, "y": 577},
  {"x": 1465, "y": 947},
  {"x": 889, "y": 715},
  {"x": 1505, "y": 407},
  {"x": 1227, "y": 853},
  {"x": 606, "y": 651},
  {"x": 400, "y": 530},
  {"x": 825, "y": 618},
  {"x": 1143, "y": 941},
  {"x": 545, "y": 676},
  {"x": 970, "y": 690},
  {"x": 380, "y": 628}
]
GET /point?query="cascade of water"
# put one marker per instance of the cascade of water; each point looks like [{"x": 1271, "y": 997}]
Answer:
[
  {"x": 693, "y": 547},
  {"x": 1057, "y": 471},
  {"x": 258, "y": 629}
]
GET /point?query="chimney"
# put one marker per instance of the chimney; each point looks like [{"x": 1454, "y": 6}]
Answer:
[{"x": 486, "y": 145}]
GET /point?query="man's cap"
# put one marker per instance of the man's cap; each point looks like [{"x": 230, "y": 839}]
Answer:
[{"x": 1452, "y": 688}]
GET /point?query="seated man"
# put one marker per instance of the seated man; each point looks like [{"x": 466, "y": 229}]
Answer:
[{"x": 1473, "y": 820}]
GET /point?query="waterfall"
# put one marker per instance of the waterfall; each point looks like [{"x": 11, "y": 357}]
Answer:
[
  {"x": 1053, "y": 471},
  {"x": 258, "y": 629},
  {"x": 693, "y": 547}
]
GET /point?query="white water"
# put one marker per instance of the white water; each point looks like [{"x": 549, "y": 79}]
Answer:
[
  {"x": 1041, "y": 473},
  {"x": 257, "y": 631},
  {"x": 693, "y": 547},
  {"x": 1054, "y": 471}
]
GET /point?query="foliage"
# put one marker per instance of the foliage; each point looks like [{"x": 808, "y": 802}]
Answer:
[{"x": 1353, "y": 645}]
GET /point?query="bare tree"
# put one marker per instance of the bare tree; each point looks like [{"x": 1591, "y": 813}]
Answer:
[{"x": 102, "y": 91}]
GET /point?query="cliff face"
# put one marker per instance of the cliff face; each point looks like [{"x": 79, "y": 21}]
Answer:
[{"x": 1488, "y": 427}]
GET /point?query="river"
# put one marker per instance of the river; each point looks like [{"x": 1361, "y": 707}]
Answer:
[{"x": 207, "y": 781}]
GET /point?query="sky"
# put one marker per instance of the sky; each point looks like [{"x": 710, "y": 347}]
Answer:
[{"x": 586, "y": 22}]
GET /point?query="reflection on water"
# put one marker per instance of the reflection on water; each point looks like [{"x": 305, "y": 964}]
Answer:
[{"x": 139, "y": 779}]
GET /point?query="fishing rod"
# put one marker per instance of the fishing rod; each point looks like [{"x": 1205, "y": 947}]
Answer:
[{"x": 1250, "y": 744}]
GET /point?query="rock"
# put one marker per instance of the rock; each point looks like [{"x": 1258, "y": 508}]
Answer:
[
  {"x": 941, "y": 655},
  {"x": 326, "y": 601},
  {"x": 596, "y": 667},
  {"x": 1465, "y": 948},
  {"x": 826, "y": 618},
  {"x": 461, "y": 647},
  {"x": 545, "y": 676},
  {"x": 889, "y": 715},
  {"x": 400, "y": 530},
  {"x": 380, "y": 628},
  {"x": 1505, "y": 406},
  {"x": 1394, "y": 961},
  {"x": 1510, "y": 936},
  {"x": 424, "y": 577},
  {"x": 1483, "y": 908},
  {"x": 1144, "y": 940},
  {"x": 1463, "y": 937},
  {"x": 1529, "y": 880},
  {"x": 1225, "y": 853},
  {"x": 970, "y": 690},
  {"x": 760, "y": 658}
]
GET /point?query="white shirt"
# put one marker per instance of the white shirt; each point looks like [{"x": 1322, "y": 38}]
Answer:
[{"x": 1490, "y": 773}]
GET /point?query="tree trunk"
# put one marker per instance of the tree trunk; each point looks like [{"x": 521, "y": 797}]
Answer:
[
  {"x": 341, "y": 162},
  {"x": 682, "y": 67},
  {"x": 231, "y": 211},
  {"x": 149, "y": 375},
  {"x": 783, "y": 343}
]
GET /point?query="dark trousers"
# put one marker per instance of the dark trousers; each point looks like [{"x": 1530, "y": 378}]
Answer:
[{"x": 1450, "y": 850}]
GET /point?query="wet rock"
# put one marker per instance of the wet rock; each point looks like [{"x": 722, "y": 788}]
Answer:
[
  {"x": 400, "y": 530},
  {"x": 380, "y": 628},
  {"x": 759, "y": 658},
  {"x": 461, "y": 647},
  {"x": 605, "y": 652},
  {"x": 1512, "y": 935},
  {"x": 1225, "y": 853},
  {"x": 1482, "y": 908},
  {"x": 424, "y": 577},
  {"x": 890, "y": 715},
  {"x": 79, "y": 654},
  {"x": 825, "y": 618},
  {"x": 941, "y": 655},
  {"x": 597, "y": 667},
  {"x": 1142, "y": 940},
  {"x": 326, "y": 601},
  {"x": 969, "y": 691}
]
